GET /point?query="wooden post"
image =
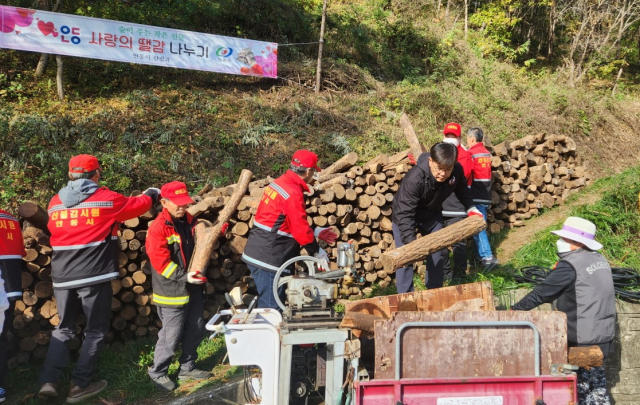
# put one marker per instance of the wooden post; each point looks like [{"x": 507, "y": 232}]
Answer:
[
  {"x": 422, "y": 247},
  {"x": 319, "y": 68},
  {"x": 414, "y": 144},
  {"x": 207, "y": 236}
]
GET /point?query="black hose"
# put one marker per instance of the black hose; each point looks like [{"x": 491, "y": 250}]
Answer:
[{"x": 626, "y": 281}]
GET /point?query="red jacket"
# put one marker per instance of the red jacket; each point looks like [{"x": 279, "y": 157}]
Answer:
[
  {"x": 84, "y": 236},
  {"x": 452, "y": 207},
  {"x": 481, "y": 174},
  {"x": 11, "y": 254},
  {"x": 164, "y": 248},
  {"x": 280, "y": 226}
]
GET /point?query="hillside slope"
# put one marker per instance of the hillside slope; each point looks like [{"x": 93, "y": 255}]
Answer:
[{"x": 150, "y": 125}]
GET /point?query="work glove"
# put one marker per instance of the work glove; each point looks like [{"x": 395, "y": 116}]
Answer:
[
  {"x": 195, "y": 277},
  {"x": 412, "y": 160},
  {"x": 223, "y": 230},
  {"x": 325, "y": 234},
  {"x": 474, "y": 211},
  {"x": 324, "y": 258},
  {"x": 154, "y": 193}
]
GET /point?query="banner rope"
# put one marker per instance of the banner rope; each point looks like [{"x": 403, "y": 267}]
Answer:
[{"x": 299, "y": 43}]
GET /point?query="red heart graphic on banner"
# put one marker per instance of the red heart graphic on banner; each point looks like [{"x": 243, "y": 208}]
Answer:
[
  {"x": 25, "y": 12},
  {"x": 46, "y": 28},
  {"x": 55, "y": 34}
]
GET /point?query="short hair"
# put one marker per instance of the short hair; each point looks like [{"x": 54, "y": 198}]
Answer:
[
  {"x": 476, "y": 133},
  {"x": 444, "y": 154},
  {"x": 298, "y": 169},
  {"x": 85, "y": 175}
]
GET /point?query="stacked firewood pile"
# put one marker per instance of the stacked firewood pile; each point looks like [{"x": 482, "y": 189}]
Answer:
[
  {"x": 532, "y": 173},
  {"x": 529, "y": 174}
]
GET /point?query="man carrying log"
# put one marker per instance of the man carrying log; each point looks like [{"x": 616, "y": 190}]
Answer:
[
  {"x": 11, "y": 265},
  {"x": 418, "y": 205},
  {"x": 83, "y": 221},
  {"x": 452, "y": 209},
  {"x": 280, "y": 227},
  {"x": 481, "y": 192},
  {"x": 582, "y": 284},
  {"x": 178, "y": 294}
]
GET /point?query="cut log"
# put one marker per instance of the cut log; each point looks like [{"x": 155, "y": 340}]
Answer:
[
  {"x": 342, "y": 164},
  {"x": 206, "y": 236},
  {"x": 422, "y": 247},
  {"x": 588, "y": 356},
  {"x": 35, "y": 214},
  {"x": 354, "y": 320}
]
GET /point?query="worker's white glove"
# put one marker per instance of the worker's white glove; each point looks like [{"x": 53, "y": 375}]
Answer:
[
  {"x": 324, "y": 260},
  {"x": 474, "y": 211},
  {"x": 325, "y": 234},
  {"x": 195, "y": 277}
]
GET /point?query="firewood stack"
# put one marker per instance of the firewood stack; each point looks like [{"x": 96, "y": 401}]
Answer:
[
  {"x": 532, "y": 173},
  {"x": 529, "y": 174}
]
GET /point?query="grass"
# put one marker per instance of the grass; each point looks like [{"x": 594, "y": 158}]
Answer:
[{"x": 125, "y": 368}]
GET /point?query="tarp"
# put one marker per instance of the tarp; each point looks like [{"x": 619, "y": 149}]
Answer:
[{"x": 73, "y": 35}]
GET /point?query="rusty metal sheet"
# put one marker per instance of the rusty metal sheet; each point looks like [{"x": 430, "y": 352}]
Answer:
[
  {"x": 438, "y": 299},
  {"x": 470, "y": 352}
]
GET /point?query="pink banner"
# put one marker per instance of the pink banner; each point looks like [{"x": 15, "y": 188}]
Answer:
[{"x": 72, "y": 35}]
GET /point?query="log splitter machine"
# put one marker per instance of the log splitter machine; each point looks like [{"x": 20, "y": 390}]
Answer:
[{"x": 302, "y": 356}]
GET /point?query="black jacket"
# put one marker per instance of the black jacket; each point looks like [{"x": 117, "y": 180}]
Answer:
[{"x": 420, "y": 196}]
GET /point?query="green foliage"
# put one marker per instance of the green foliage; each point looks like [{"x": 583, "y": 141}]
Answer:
[
  {"x": 616, "y": 218},
  {"x": 497, "y": 20}
]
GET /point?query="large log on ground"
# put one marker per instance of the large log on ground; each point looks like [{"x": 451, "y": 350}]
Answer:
[
  {"x": 414, "y": 144},
  {"x": 483, "y": 352},
  {"x": 589, "y": 356},
  {"x": 354, "y": 320},
  {"x": 205, "y": 205},
  {"x": 422, "y": 247},
  {"x": 35, "y": 214},
  {"x": 207, "y": 236}
]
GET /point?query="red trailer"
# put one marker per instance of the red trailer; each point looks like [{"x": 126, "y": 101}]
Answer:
[{"x": 556, "y": 389}]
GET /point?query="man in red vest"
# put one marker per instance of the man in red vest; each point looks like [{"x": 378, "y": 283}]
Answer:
[
  {"x": 11, "y": 264},
  {"x": 83, "y": 220},
  {"x": 452, "y": 209}
]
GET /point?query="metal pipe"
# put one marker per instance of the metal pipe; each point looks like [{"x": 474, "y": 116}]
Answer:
[{"x": 408, "y": 325}]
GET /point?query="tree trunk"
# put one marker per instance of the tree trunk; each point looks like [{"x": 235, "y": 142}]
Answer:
[
  {"x": 59, "y": 83},
  {"x": 422, "y": 247},
  {"x": 590, "y": 356}
]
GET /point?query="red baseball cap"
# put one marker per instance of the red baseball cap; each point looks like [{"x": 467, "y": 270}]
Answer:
[
  {"x": 305, "y": 158},
  {"x": 83, "y": 164},
  {"x": 453, "y": 129},
  {"x": 176, "y": 192}
]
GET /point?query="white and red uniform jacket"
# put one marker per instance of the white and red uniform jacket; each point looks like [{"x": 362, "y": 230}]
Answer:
[
  {"x": 11, "y": 254},
  {"x": 452, "y": 207},
  {"x": 481, "y": 173},
  {"x": 84, "y": 236},
  {"x": 280, "y": 226}
]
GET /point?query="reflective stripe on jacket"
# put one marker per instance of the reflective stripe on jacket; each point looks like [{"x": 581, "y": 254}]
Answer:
[
  {"x": 84, "y": 237},
  {"x": 280, "y": 226},
  {"x": 164, "y": 248}
]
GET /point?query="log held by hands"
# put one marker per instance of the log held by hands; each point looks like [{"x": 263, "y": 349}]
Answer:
[
  {"x": 422, "y": 247},
  {"x": 207, "y": 234}
]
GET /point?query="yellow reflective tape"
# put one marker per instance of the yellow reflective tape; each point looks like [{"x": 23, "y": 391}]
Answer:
[
  {"x": 159, "y": 299},
  {"x": 173, "y": 239},
  {"x": 168, "y": 271}
]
